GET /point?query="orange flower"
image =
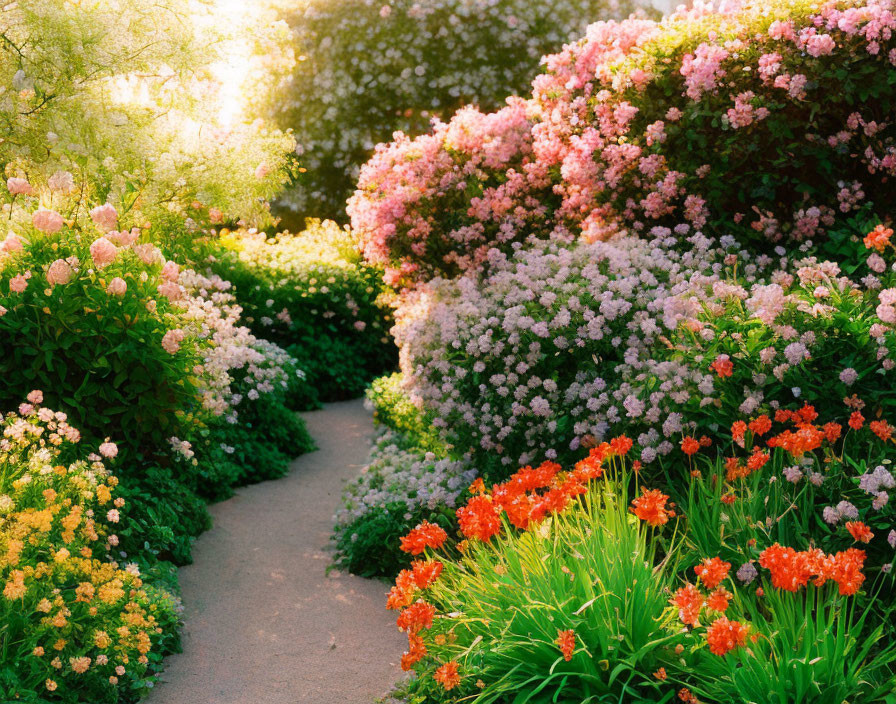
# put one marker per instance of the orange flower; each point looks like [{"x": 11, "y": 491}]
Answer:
[
  {"x": 621, "y": 445},
  {"x": 416, "y": 651},
  {"x": 479, "y": 519},
  {"x": 791, "y": 570},
  {"x": 425, "y": 535},
  {"x": 660, "y": 674},
  {"x": 760, "y": 425},
  {"x": 651, "y": 507},
  {"x": 882, "y": 429},
  {"x": 402, "y": 594},
  {"x": 738, "y": 430},
  {"x": 728, "y": 498},
  {"x": 856, "y": 420},
  {"x": 859, "y": 531},
  {"x": 718, "y": 600},
  {"x": 425, "y": 573},
  {"x": 686, "y": 696},
  {"x": 447, "y": 675},
  {"x": 724, "y": 636},
  {"x": 690, "y": 445},
  {"x": 417, "y": 616},
  {"x": 723, "y": 366},
  {"x": 477, "y": 487},
  {"x": 845, "y": 568},
  {"x": 878, "y": 238},
  {"x": 832, "y": 431},
  {"x": 566, "y": 641},
  {"x": 712, "y": 572},
  {"x": 757, "y": 460},
  {"x": 689, "y": 601}
]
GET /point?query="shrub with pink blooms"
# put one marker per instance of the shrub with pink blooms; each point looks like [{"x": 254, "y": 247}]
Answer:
[{"x": 724, "y": 119}]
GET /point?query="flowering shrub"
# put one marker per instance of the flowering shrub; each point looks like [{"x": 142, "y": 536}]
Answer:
[
  {"x": 90, "y": 314},
  {"x": 366, "y": 69},
  {"x": 401, "y": 485},
  {"x": 569, "y": 605},
  {"x": 393, "y": 409},
  {"x": 556, "y": 344},
  {"x": 313, "y": 294},
  {"x": 76, "y": 625},
  {"x": 718, "y": 118},
  {"x": 554, "y": 587}
]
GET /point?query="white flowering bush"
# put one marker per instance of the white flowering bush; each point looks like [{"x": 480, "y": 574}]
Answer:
[
  {"x": 366, "y": 68},
  {"x": 313, "y": 294}
]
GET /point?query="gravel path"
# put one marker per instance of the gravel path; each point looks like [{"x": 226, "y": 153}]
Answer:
[{"x": 265, "y": 624}]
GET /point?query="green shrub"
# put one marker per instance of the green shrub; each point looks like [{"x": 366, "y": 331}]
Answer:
[
  {"x": 312, "y": 294},
  {"x": 394, "y": 409}
]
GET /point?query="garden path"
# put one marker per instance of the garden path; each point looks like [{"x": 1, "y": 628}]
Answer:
[{"x": 265, "y": 624}]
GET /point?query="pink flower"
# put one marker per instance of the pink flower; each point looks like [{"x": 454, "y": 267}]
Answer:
[
  {"x": 19, "y": 187},
  {"x": 11, "y": 244},
  {"x": 820, "y": 45},
  {"x": 60, "y": 272},
  {"x": 170, "y": 271},
  {"x": 171, "y": 341},
  {"x": 262, "y": 170},
  {"x": 105, "y": 216},
  {"x": 48, "y": 221},
  {"x": 109, "y": 449},
  {"x": 117, "y": 287},
  {"x": 18, "y": 283},
  {"x": 148, "y": 253},
  {"x": 113, "y": 516},
  {"x": 103, "y": 253},
  {"x": 61, "y": 182},
  {"x": 170, "y": 290},
  {"x": 36, "y": 397}
]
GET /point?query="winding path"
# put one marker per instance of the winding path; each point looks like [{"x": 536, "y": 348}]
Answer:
[{"x": 265, "y": 624}]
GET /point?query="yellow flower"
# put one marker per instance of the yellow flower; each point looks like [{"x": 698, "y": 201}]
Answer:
[
  {"x": 15, "y": 587},
  {"x": 50, "y": 685},
  {"x": 102, "y": 640}
]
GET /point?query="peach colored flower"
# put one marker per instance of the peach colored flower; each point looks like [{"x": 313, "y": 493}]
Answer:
[
  {"x": 48, "y": 221},
  {"x": 59, "y": 273},
  {"x": 105, "y": 216},
  {"x": 117, "y": 287},
  {"x": 103, "y": 253},
  {"x": 19, "y": 187}
]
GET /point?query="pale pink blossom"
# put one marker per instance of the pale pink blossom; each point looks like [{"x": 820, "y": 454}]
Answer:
[
  {"x": 105, "y": 216},
  {"x": 59, "y": 272},
  {"x": 61, "y": 182},
  {"x": 48, "y": 221},
  {"x": 19, "y": 186},
  {"x": 117, "y": 287},
  {"x": 18, "y": 283},
  {"x": 103, "y": 253}
]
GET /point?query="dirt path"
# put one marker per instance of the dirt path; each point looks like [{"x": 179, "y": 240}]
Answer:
[{"x": 264, "y": 623}]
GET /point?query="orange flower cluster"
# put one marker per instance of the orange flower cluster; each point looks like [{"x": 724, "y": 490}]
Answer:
[
  {"x": 718, "y": 600},
  {"x": 859, "y": 531},
  {"x": 566, "y": 641},
  {"x": 882, "y": 429},
  {"x": 416, "y": 617},
  {"x": 689, "y": 601},
  {"x": 878, "y": 238},
  {"x": 712, "y": 572},
  {"x": 651, "y": 507},
  {"x": 722, "y": 366},
  {"x": 447, "y": 675},
  {"x": 724, "y": 636},
  {"x": 533, "y": 493},
  {"x": 791, "y": 570},
  {"x": 425, "y": 535},
  {"x": 420, "y": 576}
]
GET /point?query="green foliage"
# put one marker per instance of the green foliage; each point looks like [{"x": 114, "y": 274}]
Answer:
[
  {"x": 590, "y": 569},
  {"x": 140, "y": 101},
  {"x": 313, "y": 294},
  {"x": 394, "y": 409}
]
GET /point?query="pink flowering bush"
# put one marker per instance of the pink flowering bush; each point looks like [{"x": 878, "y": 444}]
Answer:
[
  {"x": 718, "y": 118},
  {"x": 367, "y": 68}
]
